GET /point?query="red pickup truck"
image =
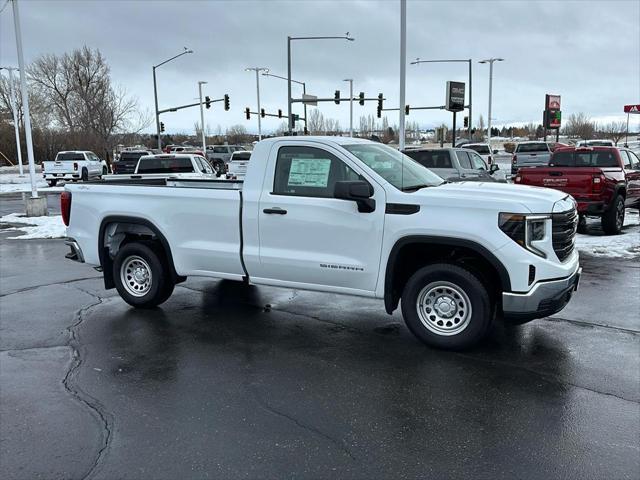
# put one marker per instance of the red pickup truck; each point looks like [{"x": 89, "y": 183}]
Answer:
[{"x": 603, "y": 180}]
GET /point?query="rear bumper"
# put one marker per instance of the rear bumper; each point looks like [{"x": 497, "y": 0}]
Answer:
[
  {"x": 544, "y": 299},
  {"x": 61, "y": 176},
  {"x": 76, "y": 252},
  {"x": 592, "y": 207}
]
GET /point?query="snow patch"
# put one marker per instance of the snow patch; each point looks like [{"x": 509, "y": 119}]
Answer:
[
  {"x": 625, "y": 245},
  {"x": 35, "y": 227},
  {"x": 14, "y": 183}
]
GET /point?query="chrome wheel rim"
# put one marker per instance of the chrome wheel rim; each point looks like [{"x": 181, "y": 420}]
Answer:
[
  {"x": 135, "y": 275},
  {"x": 619, "y": 215},
  {"x": 444, "y": 308}
]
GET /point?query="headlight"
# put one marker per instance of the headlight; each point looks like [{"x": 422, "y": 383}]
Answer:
[{"x": 525, "y": 229}]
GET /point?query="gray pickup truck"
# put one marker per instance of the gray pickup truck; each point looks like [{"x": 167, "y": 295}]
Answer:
[
  {"x": 530, "y": 154},
  {"x": 454, "y": 164}
]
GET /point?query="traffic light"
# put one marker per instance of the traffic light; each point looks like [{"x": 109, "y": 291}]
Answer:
[
  {"x": 161, "y": 127},
  {"x": 406, "y": 109},
  {"x": 207, "y": 101},
  {"x": 247, "y": 113},
  {"x": 226, "y": 102},
  {"x": 361, "y": 98},
  {"x": 279, "y": 113},
  {"x": 466, "y": 122},
  {"x": 262, "y": 112},
  {"x": 336, "y": 97},
  {"x": 380, "y": 97}
]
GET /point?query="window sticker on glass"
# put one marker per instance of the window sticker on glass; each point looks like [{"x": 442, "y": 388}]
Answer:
[{"x": 309, "y": 172}]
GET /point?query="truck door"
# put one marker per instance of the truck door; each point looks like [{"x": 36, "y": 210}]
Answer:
[
  {"x": 467, "y": 172},
  {"x": 306, "y": 235},
  {"x": 632, "y": 172}
]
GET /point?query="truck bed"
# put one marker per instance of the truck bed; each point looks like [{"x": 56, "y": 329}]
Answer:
[{"x": 151, "y": 181}]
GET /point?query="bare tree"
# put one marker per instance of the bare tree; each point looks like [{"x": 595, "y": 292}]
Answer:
[
  {"x": 316, "y": 123},
  {"x": 238, "y": 134},
  {"x": 479, "y": 135},
  {"x": 615, "y": 131},
  {"x": 580, "y": 126}
]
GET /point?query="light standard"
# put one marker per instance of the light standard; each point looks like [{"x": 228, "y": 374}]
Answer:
[
  {"x": 490, "y": 62},
  {"x": 470, "y": 91},
  {"x": 155, "y": 90},
  {"x": 204, "y": 140},
  {"x": 350, "y": 80},
  {"x": 14, "y": 109},
  {"x": 290, "y": 117},
  {"x": 258, "y": 70},
  {"x": 304, "y": 90}
]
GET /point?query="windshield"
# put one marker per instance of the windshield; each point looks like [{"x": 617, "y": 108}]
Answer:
[
  {"x": 399, "y": 170},
  {"x": 532, "y": 147},
  {"x": 165, "y": 165},
  {"x": 69, "y": 156},
  {"x": 482, "y": 149}
]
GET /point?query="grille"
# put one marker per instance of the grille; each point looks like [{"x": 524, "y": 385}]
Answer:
[{"x": 565, "y": 225}]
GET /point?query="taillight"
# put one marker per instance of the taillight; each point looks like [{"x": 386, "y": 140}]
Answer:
[
  {"x": 596, "y": 183},
  {"x": 514, "y": 159},
  {"x": 518, "y": 179},
  {"x": 75, "y": 166},
  {"x": 65, "y": 207},
  {"x": 489, "y": 159}
]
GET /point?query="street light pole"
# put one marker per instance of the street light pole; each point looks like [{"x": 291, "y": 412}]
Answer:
[
  {"x": 304, "y": 88},
  {"x": 490, "y": 62},
  {"x": 289, "y": 39},
  {"x": 403, "y": 71},
  {"x": 258, "y": 70},
  {"x": 25, "y": 106},
  {"x": 155, "y": 91},
  {"x": 204, "y": 139},
  {"x": 14, "y": 109},
  {"x": 350, "y": 80}
]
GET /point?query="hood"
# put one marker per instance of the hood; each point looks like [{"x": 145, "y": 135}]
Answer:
[{"x": 504, "y": 197}]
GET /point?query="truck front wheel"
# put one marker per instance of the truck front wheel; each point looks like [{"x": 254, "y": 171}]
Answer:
[
  {"x": 446, "y": 306},
  {"x": 142, "y": 276},
  {"x": 613, "y": 218}
]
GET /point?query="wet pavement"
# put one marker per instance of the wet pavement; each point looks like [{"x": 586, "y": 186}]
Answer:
[{"x": 227, "y": 381}]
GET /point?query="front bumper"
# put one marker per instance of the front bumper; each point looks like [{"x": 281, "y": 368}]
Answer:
[{"x": 543, "y": 300}]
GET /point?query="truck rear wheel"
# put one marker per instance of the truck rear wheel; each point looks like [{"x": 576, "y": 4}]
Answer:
[
  {"x": 52, "y": 183},
  {"x": 446, "y": 306},
  {"x": 85, "y": 175},
  {"x": 142, "y": 276},
  {"x": 613, "y": 219}
]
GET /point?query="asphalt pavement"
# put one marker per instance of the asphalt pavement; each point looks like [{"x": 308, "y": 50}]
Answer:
[{"x": 228, "y": 381}]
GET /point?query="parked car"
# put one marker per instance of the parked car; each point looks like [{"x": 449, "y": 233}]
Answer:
[
  {"x": 219, "y": 155},
  {"x": 237, "y": 166},
  {"x": 530, "y": 154},
  {"x": 73, "y": 165},
  {"x": 555, "y": 145},
  {"x": 484, "y": 150},
  {"x": 454, "y": 164},
  {"x": 340, "y": 215},
  {"x": 128, "y": 160},
  {"x": 175, "y": 166},
  {"x": 603, "y": 180}
]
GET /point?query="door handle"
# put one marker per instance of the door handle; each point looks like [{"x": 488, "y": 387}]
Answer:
[{"x": 274, "y": 211}]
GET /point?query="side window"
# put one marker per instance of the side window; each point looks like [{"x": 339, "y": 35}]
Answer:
[
  {"x": 634, "y": 159},
  {"x": 626, "y": 159},
  {"x": 205, "y": 168},
  {"x": 463, "y": 159},
  {"x": 309, "y": 172},
  {"x": 219, "y": 150},
  {"x": 478, "y": 163}
]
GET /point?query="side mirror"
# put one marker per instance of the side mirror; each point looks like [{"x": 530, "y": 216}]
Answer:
[
  {"x": 357, "y": 191},
  {"x": 495, "y": 152},
  {"x": 494, "y": 168}
]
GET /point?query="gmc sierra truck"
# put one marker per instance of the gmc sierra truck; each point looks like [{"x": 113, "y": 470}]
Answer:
[
  {"x": 339, "y": 215},
  {"x": 74, "y": 166},
  {"x": 603, "y": 180}
]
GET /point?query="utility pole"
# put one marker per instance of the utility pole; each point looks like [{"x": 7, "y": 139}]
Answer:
[
  {"x": 350, "y": 80},
  {"x": 14, "y": 109},
  {"x": 258, "y": 70},
  {"x": 490, "y": 62},
  {"x": 204, "y": 139},
  {"x": 36, "y": 206},
  {"x": 403, "y": 62}
]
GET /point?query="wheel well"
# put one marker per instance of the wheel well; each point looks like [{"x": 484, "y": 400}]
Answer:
[
  {"x": 407, "y": 257},
  {"x": 116, "y": 232}
]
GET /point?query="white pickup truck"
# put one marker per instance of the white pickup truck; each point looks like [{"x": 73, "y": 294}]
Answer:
[
  {"x": 73, "y": 165},
  {"x": 338, "y": 215}
]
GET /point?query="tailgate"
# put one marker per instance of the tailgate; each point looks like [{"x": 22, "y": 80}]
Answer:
[
  {"x": 575, "y": 180},
  {"x": 59, "y": 167},
  {"x": 533, "y": 159}
]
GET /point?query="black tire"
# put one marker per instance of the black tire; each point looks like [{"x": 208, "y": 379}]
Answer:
[
  {"x": 147, "y": 258},
  {"x": 105, "y": 171},
  {"x": 52, "y": 183},
  {"x": 613, "y": 218},
  {"x": 582, "y": 224},
  {"x": 471, "y": 317},
  {"x": 85, "y": 175}
]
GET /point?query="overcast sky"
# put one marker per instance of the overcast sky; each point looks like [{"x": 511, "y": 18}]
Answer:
[{"x": 586, "y": 51}]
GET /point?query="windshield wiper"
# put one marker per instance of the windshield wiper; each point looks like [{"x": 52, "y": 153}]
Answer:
[{"x": 413, "y": 188}]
